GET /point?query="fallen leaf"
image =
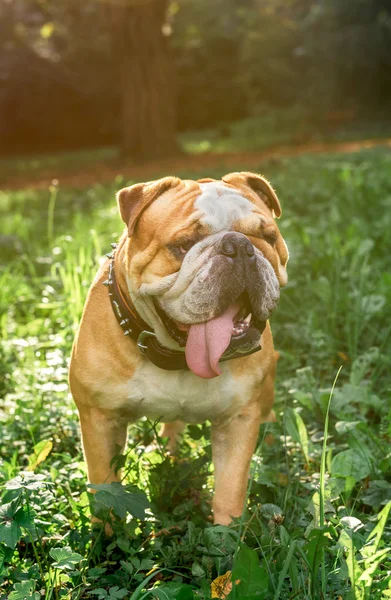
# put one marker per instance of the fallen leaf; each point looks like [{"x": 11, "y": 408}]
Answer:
[{"x": 222, "y": 585}]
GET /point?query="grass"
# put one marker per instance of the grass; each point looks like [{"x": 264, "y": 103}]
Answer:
[
  {"x": 39, "y": 164},
  {"x": 281, "y": 127},
  {"x": 316, "y": 524}
]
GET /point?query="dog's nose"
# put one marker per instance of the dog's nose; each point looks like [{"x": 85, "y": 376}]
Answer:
[{"x": 235, "y": 245}]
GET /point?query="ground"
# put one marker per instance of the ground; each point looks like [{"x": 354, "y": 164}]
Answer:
[{"x": 316, "y": 523}]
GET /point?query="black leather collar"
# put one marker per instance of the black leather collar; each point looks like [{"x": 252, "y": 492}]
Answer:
[{"x": 134, "y": 327}]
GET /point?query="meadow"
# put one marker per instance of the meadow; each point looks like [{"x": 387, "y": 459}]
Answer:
[{"x": 317, "y": 521}]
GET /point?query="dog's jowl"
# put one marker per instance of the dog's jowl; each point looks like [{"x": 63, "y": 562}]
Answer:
[{"x": 179, "y": 331}]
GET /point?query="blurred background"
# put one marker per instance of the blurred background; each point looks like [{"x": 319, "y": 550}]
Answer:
[{"x": 133, "y": 74}]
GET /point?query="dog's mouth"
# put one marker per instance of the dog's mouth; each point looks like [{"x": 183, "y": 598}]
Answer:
[{"x": 236, "y": 329}]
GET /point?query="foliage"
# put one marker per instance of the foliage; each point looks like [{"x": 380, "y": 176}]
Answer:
[{"x": 303, "y": 534}]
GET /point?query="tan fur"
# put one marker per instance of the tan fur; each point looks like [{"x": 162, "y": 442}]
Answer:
[{"x": 112, "y": 384}]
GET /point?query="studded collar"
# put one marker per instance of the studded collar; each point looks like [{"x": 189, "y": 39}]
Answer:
[{"x": 140, "y": 332}]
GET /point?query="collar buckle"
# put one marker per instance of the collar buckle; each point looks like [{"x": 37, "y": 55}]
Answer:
[{"x": 141, "y": 340}]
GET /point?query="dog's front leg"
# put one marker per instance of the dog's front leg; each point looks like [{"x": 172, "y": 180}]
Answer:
[
  {"x": 103, "y": 436},
  {"x": 233, "y": 445}
]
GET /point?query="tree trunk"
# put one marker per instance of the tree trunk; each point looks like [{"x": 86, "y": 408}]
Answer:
[{"x": 146, "y": 77}]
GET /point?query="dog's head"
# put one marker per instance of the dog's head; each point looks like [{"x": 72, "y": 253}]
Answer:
[{"x": 204, "y": 262}]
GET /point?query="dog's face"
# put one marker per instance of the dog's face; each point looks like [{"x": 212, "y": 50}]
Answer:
[{"x": 205, "y": 261}]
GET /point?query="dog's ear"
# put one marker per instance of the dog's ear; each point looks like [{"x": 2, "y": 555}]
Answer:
[
  {"x": 259, "y": 185},
  {"x": 134, "y": 200}
]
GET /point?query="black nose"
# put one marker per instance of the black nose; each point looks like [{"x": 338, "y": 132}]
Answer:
[{"x": 236, "y": 244}]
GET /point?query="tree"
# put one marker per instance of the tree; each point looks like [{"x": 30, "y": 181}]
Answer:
[{"x": 146, "y": 76}]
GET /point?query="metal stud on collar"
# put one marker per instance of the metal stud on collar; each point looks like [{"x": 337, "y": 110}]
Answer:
[{"x": 109, "y": 283}]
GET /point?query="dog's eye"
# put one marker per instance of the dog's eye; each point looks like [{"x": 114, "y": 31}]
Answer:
[
  {"x": 186, "y": 246},
  {"x": 270, "y": 236},
  {"x": 182, "y": 248}
]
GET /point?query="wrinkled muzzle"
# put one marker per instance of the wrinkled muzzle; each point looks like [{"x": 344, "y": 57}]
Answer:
[
  {"x": 219, "y": 303},
  {"x": 234, "y": 270},
  {"x": 216, "y": 305}
]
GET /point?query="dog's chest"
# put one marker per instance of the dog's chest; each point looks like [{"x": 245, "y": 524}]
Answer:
[{"x": 172, "y": 395}]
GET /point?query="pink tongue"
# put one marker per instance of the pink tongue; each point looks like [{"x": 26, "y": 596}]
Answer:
[{"x": 207, "y": 342}]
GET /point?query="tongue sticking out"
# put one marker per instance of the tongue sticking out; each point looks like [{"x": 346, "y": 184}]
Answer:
[{"x": 207, "y": 342}]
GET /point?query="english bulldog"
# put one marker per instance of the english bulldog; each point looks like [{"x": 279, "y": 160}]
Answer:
[{"x": 179, "y": 332}]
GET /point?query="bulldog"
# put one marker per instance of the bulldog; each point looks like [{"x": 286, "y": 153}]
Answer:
[{"x": 179, "y": 332}]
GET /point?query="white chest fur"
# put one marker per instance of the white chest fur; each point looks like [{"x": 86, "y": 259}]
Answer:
[{"x": 172, "y": 395}]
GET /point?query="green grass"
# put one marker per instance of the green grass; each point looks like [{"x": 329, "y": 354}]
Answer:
[
  {"x": 30, "y": 167},
  {"x": 316, "y": 525}
]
